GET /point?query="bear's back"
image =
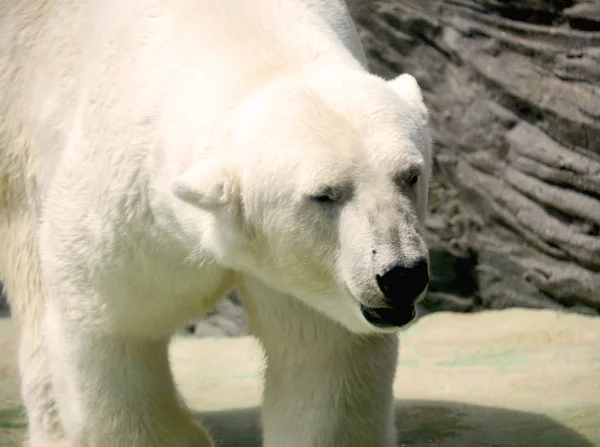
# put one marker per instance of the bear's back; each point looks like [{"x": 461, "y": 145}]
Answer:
[{"x": 59, "y": 56}]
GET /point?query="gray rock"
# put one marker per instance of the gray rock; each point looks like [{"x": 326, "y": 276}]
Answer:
[
  {"x": 512, "y": 87},
  {"x": 4, "y": 310},
  {"x": 227, "y": 320}
]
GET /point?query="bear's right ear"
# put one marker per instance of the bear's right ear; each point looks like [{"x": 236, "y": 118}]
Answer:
[
  {"x": 407, "y": 88},
  {"x": 206, "y": 185}
]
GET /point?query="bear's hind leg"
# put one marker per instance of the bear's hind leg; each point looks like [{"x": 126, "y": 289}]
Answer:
[
  {"x": 20, "y": 272},
  {"x": 43, "y": 419},
  {"x": 116, "y": 390},
  {"x": 324, "y": 386}
]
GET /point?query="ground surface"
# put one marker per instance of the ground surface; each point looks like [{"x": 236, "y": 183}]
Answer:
[{"x": 519, "y": 378}]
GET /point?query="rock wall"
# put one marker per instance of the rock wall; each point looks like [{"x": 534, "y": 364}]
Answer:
[
  {"x": 4, "y": 310},
  {"x": 228, "y": 319},
  {"x": 512, "y": 86}
]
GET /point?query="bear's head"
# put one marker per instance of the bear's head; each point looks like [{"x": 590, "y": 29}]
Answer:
[{"x": 318, "y": 187}]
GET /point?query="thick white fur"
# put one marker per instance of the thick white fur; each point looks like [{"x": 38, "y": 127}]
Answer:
[{"x": 155, "y": 154}]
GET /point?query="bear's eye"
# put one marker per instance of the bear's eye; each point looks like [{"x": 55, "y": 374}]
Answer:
[
  {"x": 322, "y": 198},
  {"x": 408, "y": 178},
  {"x": 412, "y": 178},
  {"x": 326, "y": 196}
]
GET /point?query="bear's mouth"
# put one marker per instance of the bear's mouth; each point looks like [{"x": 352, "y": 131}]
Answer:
[{"x": 387, "y": 317}]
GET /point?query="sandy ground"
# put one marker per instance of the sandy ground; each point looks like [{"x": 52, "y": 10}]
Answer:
[{"x": 518, "y": 378}]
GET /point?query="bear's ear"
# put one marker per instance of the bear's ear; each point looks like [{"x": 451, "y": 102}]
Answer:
[
  {"x": 205, "y": 184},
  {"x": 407, "y": 88}
]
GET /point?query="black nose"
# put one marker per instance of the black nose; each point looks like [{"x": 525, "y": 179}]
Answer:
[{"x": 402, "y": 284}]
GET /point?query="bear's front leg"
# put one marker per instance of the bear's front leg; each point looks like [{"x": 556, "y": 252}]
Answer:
[
  {"x": 114, "y": 390},
  {"x": 324, "y": 386}
]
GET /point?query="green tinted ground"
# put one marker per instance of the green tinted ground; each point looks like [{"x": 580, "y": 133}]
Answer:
[{"x": 517, "y": 378}]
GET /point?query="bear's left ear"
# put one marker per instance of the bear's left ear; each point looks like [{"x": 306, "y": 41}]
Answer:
[
  {"x": 407, "y": 88},
  {"x": 206, "y": 184}
]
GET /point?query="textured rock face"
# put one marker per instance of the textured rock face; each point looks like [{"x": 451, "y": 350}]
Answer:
[
  {"x": 512, "y": 86},
  {"x": 4, "y": 311},
  {"x": 228, "y": 319}
]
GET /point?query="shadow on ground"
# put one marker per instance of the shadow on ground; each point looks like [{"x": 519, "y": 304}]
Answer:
[
  {"x": 420, "y": 424},
  {"x": 426, "y": 423}
]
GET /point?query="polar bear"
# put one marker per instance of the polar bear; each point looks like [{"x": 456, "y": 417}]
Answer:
[{"x": 156, "y": 154}]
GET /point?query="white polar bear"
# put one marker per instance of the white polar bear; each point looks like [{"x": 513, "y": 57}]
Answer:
[{"x": 155, "y": 154}]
